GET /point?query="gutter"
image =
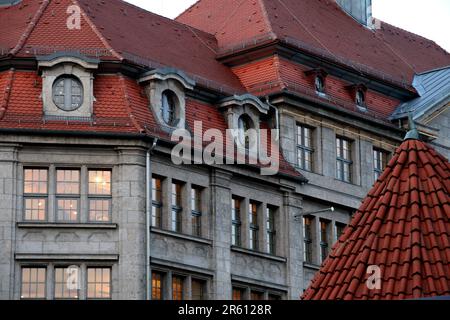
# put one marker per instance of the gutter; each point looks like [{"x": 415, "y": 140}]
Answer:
[
  {"x": 148, "y": 213},
  {"x": 277, "y": 117}
]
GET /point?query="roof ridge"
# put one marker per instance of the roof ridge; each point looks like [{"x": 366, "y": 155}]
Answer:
[
  {"x": 186, "y": 10},
  {"x": 129, "y": 108},
  {"x": 30, "y": 27},
  {"x": 8, "y": 89},
  {"x": 96, "y": 31}
]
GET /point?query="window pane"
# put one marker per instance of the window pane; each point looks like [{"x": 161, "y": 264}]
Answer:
[
  {"x": 68, "y": 181},
  {"x": 236, "y": 222},
  {"x": 99, "y": 283},
  {"x": 255, "y": 295},
  {"x": 67, "y": 210},
  {"x": 66, "y": 283},
  {"x": 157, "y": 286},
  {"x": 35, "y": 181},
  {"x": 100, "y": 182},
  {"x": 35, "y": 209},
  {"x": 177, "y": 288},
  {"x": 253, "y": 225},
  {"x": 33, "y": 283},
  {"x": 198, "y": 289},
  {"x": 99, "y": 210},
  {"x": 238, "y": 294}
]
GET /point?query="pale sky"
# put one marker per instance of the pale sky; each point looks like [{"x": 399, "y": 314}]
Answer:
[{"x": 429, "y": 18}]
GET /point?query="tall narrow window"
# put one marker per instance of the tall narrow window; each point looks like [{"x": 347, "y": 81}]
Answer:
[
  {"x": 319, "y": 84},
  {"x": 99, "y": 195},
  {"x": 379, "y": 162},
  {"x": 238, "y": 293},
  {"x": 35, "y": 194},
  {"x": 304, "y": 148},
  {"x": 176, "y": 207},
  {"x": 68, "y": 195},
  {"x": 157, "y": 286},
  {"x": 236, "y": 222},
  {"x": 157, "y": 203},
  {"x": 270, "y": 227},
  {"x": 324, "y": 239},
  {"x": 339, "y": 230},
  {"x": 344, "y": 161},
  {"x": 361, "y": 99},
  {"x": 168, "y": 107},
  {"x": 196, "y": 207},
  {"x": 63, "y": 289},
  {"x": 308, "y": 226},
  {"x": 177, "y": 288},
  {"x": 198, "y": 289},
  {"x": 33, "y": 283},
  {"x": 99, "y": 283},
  {"x": 253, "y": 226}
]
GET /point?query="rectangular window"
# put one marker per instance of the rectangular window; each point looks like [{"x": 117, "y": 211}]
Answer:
[
  {"x": 176, "y": 207},
  {"x": 33, "y": 284},
  {"x": 238, "y": 293},
  {"x": 68, "y": 195},
  {"x": 324, "y": 239},
  {"x": 253, "y": 226},
  {"x": 344, "y": 161},
  {"x": 270, "y": 226},
  {"x": 99, "y": 283},
  {"x": 177, "y": 288},
  {"x": 236, "y": 222},
  {"x": 198, "y": 289},
  {"x": 304, "y": 148},
  {"x": 35, "y": 194},
  {"x": 256, "y": 295},
  {"x": 100, "y": 195},
  {"x": 196, "y": 206},
  {"x": 380, "y": 158},
  {"x": 157, "y": 286},
  {"x": 64, "y": 288},
  {"x": 339, "y": 230},
  {"x": 157, "y": 202},
  {"x": 308, "y": 226}
]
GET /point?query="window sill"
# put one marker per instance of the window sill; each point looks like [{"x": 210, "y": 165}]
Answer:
[
  {"x": 258, "y": 254},
  {"x": 48, "y": 225},
  {"x": 311, "y": 266},
  {"x": 181, "y": 236}
]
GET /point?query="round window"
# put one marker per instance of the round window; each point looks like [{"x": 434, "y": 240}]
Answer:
[
  {"x": 168, "y": 107},
  {"x": 245, "y": 124},
  {"x": 68, "y": 93}
]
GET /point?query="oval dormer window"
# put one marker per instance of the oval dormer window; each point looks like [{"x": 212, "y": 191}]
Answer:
[
  {"x": 245, "y": 124},
  {"x": 168, "y": 107},
  {"x": 319, "y": 83},
  {"x": 68, "y": 93},
  {"x": 360, "y": 99}
]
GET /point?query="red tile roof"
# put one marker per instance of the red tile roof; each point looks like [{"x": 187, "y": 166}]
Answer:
[
  {"x": 402, "y": 227},
  {"x": 320, "y": 25}
]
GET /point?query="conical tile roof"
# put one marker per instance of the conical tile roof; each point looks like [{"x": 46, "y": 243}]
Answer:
[{"x": 402, "y": 228}]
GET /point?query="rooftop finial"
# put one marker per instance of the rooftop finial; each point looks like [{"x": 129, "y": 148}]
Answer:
[{"x": 413, "y": 133}]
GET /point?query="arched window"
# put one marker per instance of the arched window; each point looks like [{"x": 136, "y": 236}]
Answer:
[
  {"x": 360, "y": 99},
  {"x": 320, "y": 84},
  {"x": 168, "y": 107},
  {"x": 245, "y": 124},
  {"x": 68, "y": 93}
]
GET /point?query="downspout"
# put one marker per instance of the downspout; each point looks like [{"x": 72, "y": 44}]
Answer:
[
  {"x": 277, "y": 117},
  {"x": 148, "y": 214}
]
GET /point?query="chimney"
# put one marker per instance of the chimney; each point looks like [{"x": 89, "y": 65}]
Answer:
[{"x": 361, "y": 10}]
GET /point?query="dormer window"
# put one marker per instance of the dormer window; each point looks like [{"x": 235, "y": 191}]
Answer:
[
  {"x": 320, "y": 84},
  {"x": 68, "y": 93},
  {"x": 361, "y": 99},
  {"x": 169, "y": 107}
]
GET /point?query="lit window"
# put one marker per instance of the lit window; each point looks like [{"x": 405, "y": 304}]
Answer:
[
  {"x": 308, "y": 226},
  {"x": 99, "y": 283},
  {"x": 379, "y": 162},
  {"x": 64, "y": 288},
  {"x": 256, "y": 295},
  {"x": 33, "y": 283},
  {"x": 236, "y": 222},
  {"x": 196, "y": 207},
  {"x": 361, "y": 99},
  {"x": 270, "y": 226},
  {"x": 99, "y": 195},
  {"x": 67, "y": 185},
  {"x": 245, "y": 124},
  {"x": 198, "y": 289},
  {"x": 304, "y": 148},
  {"x": 339, "y": 230},
  {"x": 344, "y": 161},
  {"x": 157, "y": 286},
  {"x": 324, "y": 238},
  {"x": 253, "y": 226},
  {"x": 319, "y": 84},
  {"x": 176, "y": 207},
  {"x": 157, "y": 203},
  {"x": 168, "y": 107},
  {"x": 68, "y": 93},
  {"x": 35, "y": 194},
  {"x": 238, "y": 293},
  {"x": 177, "y": 288}
]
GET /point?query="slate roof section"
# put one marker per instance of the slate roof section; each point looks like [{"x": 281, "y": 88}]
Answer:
[
  {"x": 320, "y": 25},
  {"x": 403, "y": 227},
  {"x": 434, "y": 90}
]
